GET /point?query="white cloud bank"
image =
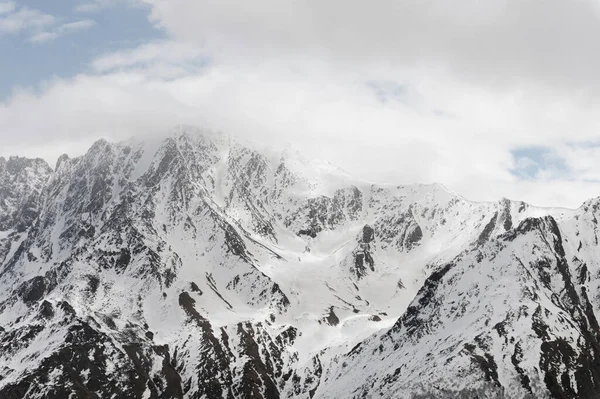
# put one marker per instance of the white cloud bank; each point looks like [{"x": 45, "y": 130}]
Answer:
[{"x": 395, "y": 91}]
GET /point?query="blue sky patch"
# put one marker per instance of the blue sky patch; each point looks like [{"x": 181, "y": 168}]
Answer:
[
  {"x": 55, "y": 42},
  {"x": 530, "y": 162},
  {"x": 387, "y": 91}
]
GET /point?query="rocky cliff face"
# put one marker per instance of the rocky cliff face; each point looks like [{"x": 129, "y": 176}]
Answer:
[
  {"x": 197, "y": 267},
  {"x": 21, "y": 183}
]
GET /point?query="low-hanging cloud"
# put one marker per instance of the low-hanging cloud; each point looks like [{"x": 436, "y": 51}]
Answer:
[{"x": 400, "y": 92}]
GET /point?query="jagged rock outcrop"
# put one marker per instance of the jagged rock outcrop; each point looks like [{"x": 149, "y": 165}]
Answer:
[
  {"x": 363, "y": 257},
  {"x": 21, "y": 184}
]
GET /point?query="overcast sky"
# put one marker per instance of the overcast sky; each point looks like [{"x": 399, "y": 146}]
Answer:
[{"x": 496, "y": 98}]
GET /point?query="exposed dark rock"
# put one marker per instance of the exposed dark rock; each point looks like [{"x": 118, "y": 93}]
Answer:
[
  {"x": 368, "y": 234},
  {"x": 46, "y": 310},
  {"x": 486, "y": 363},
  {"x": 362, "y": 254},
  {"x": 67, "y": 308},
  {"x": 93, "y": 283},
  {"x": 505, "y": 214},
  {"x": 21, "y": 183},
  {"x": 331, "y": 318},
  {"x": 123, "y": 260},
  {"x": 487, "y": 230},
  {"x": 311, "y": 232},
  {"x": 213, "y": 287},
  {"x": 256, "y": 374},
  {"x": 32, "y": 290},
  {"x": 194, "y": 288},
  {"x": 412, "y": 320},
  {"x": 234, "y": 242},
  {"x": 516, "y": 359},
  {"x": 173, "y": 388},
  {"x": 282, "y": 298},
  {"x": 413, "y": 237},
  {"x": 324, "y": 213},
  {"x": 87, "y": 349}
]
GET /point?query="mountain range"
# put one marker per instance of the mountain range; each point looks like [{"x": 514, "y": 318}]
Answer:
[{"x": 197, "y": 266}]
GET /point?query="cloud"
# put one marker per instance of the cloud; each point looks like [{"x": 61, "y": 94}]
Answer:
[
  {"x": 62, "y": 30},
  {"x": 492, "y": 43},
  {"x": 171, "y": 58},
  {"x": 88, "y": 8},
  {"x": 320, "y": 110},
  {"x": 41, "y": 27},
  {"x": 7, "y": 7},
  {"x": 13, "y": 20},
  {"x": 392, "y": 91},
  {"x": 94, "y": 6},
  {"x": 76, "y": 26}
]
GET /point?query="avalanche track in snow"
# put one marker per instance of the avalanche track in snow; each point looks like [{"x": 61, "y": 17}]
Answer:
[{"x": 194, "y": 266}]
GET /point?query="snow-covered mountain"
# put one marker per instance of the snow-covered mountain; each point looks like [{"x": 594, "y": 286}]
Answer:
[{"x": 194, "y": 266}]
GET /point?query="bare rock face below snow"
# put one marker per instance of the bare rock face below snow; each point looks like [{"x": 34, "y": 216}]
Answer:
[
  {"x": 362, "y": 254},
  {"x": 193, "y": 266}
]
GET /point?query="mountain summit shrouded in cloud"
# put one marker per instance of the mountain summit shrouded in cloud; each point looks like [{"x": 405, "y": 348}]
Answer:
[{"x": 462, "y": 90}]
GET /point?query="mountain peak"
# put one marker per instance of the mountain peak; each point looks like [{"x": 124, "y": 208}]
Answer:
[{"x": 60, "y": 160}]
